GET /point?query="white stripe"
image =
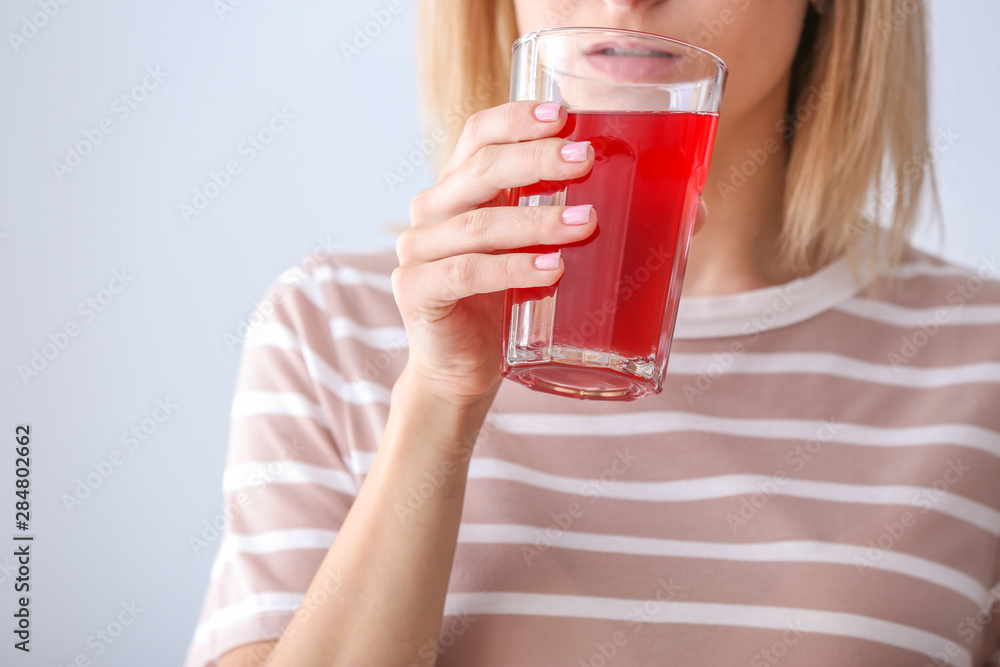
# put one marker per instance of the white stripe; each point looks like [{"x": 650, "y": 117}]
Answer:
[
  {"x": 898, "y": 316},
  {"x": 360, "y": 463},
  {"x": 920, "y": 269},
  {"x": 381, "y": 338},
  {"x": 775, "y": 552},
  {"x": 834, "y": 365},
  {"x": 274, "y": 334},
  {"x": 727, "y": 486},
  {"x": 698, "y": 613},
  {"x": 659, "y": 422},
  {"x": 248, "y": 607},
  {"x": 258, "y": 474},
  {"x": 309, "y": 284},
  {"x": 250, "y": 403},
  {"x": 347, "y": 275},
  {"x": 268, "y": 543},
  {"x": 309, "y": 287}
]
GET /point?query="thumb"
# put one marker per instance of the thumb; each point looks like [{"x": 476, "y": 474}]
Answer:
[{"x": 701, "y": 214}]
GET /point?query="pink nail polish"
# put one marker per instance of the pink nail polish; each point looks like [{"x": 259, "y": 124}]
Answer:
[
  {"x": 575, "y": 152},
  {"x": 547, "y": 112},
  {"x": 547, "y": 262},
  {"x": 577, "y": 215}
]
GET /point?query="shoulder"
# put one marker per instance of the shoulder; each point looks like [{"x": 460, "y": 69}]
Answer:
[
  {"x": 924, "y": 280},
  {"x": 932, "y": 314},
  {"x": 351, "y": 283},
  {"x": 331, "y": 320},
  {"x": 328, "y": 303},
  {"x": 925, "y": 287}
]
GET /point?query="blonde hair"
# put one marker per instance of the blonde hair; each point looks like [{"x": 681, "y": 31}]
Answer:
[{"x": 859, "y": 159}]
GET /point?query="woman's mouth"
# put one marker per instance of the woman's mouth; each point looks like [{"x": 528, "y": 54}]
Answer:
[{"x": 623, "y": 60}]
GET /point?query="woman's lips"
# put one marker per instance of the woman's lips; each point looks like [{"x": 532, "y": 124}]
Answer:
[{"x": 625, "y": 60}]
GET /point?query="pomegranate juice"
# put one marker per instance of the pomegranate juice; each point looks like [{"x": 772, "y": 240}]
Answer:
[{"x": 614, "y": 306}]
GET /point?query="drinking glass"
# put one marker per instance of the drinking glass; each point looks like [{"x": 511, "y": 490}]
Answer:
[{"x": 649, "y": 105}]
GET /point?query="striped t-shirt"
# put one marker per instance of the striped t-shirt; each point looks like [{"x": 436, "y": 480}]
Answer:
[{"x": 818, "y": 483}]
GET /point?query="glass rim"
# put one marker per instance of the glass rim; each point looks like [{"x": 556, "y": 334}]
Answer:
[{"x": 545, "y": 32}]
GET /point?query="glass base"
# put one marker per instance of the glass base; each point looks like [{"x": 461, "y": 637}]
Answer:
[{"x": 583, "y": 374}]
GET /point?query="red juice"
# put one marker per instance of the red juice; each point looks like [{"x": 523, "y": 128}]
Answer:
[{"x": 615, "y": 303}]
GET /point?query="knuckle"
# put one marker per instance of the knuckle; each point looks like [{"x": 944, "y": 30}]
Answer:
[
  {"x": 538, "y": 156},
  {"x": 478, "y": 224},
  {"x": 483, "y": 162},
  {"x": 460, "y": 271},
  {"x": 419, "y": 208},
  {"x": 536, "y": 216},
  {"x": 508, "y": 270},
  {"x": 473, "y": 126},
  {"x": 398, "y": 278},
  {"x": 510, "y": 117},
  {"x": 404, "y": 245}
]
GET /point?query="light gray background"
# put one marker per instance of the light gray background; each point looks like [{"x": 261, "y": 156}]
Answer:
[{"x": 320, "y": 183}]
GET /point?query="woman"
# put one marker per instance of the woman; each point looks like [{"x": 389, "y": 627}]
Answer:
[{"x": 817, "y": 483}]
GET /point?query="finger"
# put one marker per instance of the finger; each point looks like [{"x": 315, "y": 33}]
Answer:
[
  {"x": 506, "y": 124},
  {"x": 701, "y": 214},
  {"x": 487, "y": 230},
  {"x": 495, "y": 168},
  {"x": 440, "y": 284}
]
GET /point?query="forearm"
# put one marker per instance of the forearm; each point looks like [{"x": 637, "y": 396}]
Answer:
[{"x": 379, "y": 594}]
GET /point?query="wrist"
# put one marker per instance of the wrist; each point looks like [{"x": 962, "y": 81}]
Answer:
[
  {"x": 414, "y": 383},
  {"x": 418, "y": 406}
]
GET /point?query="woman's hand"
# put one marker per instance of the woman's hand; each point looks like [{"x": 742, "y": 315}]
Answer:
[{"x": 453, "y": 268}]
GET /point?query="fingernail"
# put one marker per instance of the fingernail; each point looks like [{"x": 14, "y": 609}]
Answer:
[
  {"x": 548, "y": 112},
  {"x": 576, "y": 152},
  {"x": 547, "y": 262},
  {"x": 577, "y": 215}
]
